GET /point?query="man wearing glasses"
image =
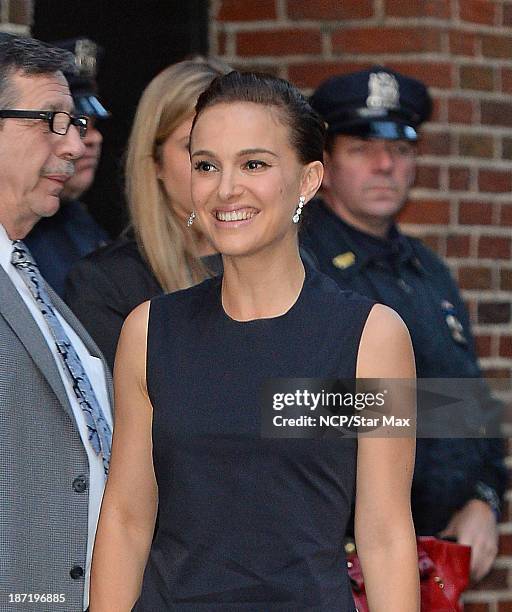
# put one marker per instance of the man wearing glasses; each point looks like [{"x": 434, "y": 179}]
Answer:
[
  {"x": 55, "y": 418},
  {"x": 59, "y": 241}
]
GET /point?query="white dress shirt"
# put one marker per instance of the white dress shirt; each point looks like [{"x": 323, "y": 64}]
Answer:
[{"x": 94, "y": 370}]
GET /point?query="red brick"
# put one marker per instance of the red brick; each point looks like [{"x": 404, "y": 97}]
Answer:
[
  {"x": 457, "y": 245},
  {"x": 506, "y": 351},
  {"x": 312, "y": 74},
  {"x": 496, "y": 46},
  {"x": 480, "y": 78},
  {"x": 506, "y": 148},
  {"x": 505, "y": 606},
  {"x": 269, "y": 68},
  {"x": 427, "y": 177},
  {"x": 506, "y": 280},
  {"x": 434, "y": 242},
  {"x": 475, "y": 278},
  {"x": 435, "y": 212},
  {"x": 477, "y": 11},
  {"x": 328, "y": 9},
  {"x": 20, "y": 12},
  {"x": 434, "y": 143},
  {"x": 497, "y": 579},
  {"x": 458, "y": 179},
  {"x": 471, "y": 307},
  {"x": 496, "y": 113},
  {"x": 483, "y": 346},
  {"x": 234, "y": 10},
  {"x": 476, "y": 607},
  {"x": 418, "y": 8},
  {"x": 507, "y": 15},
  {"x": 504, "y": 374},
  {"x": 476, "y": 145},
  {"x": 386, "y": 40},
  {"x": 507, "y": 418},
  {"x": 506, "y": 80},
  {"x": 462, "y": 43},
  {"x": 475, "y": 213},
  {"x": 435, "y": 74},
  {"x": 221, "y": 43},
  {"x": 460, "y": 110},
  {"x": 494, "y": 247},
  {"x": 278, "y": 42},
  {"x": 439, "y": 106},
  {"x": 506, "y": 215},
  {"x": 495, "y": 181}
]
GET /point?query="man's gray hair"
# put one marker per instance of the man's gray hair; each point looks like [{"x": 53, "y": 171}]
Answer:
[{"x": 29, "y": 57}]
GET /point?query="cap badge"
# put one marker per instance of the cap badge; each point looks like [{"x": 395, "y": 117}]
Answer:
[
  {"x": 383, "y": 91},
  {"x": 344, "y": 260},
  {"x": 86, "y": 52}
]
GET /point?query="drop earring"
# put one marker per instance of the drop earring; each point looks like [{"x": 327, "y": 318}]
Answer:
[
  {"x": 298, "y": 211},
  {"x": 191, "y": 218}
]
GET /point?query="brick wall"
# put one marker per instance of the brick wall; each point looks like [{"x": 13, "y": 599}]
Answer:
[
  {"x": 16, "y": 16},
  {"x": 462, "y": 204}
]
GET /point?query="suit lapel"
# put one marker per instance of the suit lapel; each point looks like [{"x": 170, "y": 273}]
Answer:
[{"x": 18, "y": 317}]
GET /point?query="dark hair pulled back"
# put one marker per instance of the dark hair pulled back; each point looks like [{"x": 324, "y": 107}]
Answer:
[{"x": 307, "y": 129}]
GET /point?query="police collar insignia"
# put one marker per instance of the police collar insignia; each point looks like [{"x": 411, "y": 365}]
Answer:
[
  {"x": 383, "y": 91},
  {"x": 344, "y": 260}
]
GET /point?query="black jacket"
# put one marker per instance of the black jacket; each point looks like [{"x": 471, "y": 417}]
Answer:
[
  {"x": 104, "y": 287},
  {"x": 404, "y": 274}
]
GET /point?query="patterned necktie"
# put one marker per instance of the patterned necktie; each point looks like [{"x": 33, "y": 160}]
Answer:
[{"x": 100, "y": 435}]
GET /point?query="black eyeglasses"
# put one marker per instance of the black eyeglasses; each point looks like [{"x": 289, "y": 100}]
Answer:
[{"x": 59, "y": 121}]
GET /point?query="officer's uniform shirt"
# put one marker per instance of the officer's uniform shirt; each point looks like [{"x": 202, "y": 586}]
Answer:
[
  {"x": 403, "y": 274},
  {"x": 58, "y": 242}
]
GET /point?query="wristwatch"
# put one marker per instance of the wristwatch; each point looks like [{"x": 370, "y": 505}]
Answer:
[{"x": 488, "y": 495}]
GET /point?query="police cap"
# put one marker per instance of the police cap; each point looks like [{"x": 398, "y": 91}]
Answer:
[
  {"x": 82, "y": 82},
  {"x": 375, "y": 103}
]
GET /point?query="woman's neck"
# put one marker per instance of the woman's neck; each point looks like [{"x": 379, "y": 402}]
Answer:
[
  {"x": 263, "y": 285},
  {"x": 199, "y": 244}
]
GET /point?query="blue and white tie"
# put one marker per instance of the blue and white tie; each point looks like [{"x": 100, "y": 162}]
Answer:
[{"x": 100, "y": 434}]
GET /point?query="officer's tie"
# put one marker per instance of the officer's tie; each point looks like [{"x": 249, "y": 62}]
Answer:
[{"x": 100, "y": 435}]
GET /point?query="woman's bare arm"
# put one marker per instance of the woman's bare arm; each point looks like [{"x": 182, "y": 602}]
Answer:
[
  {"x": 128, "y": 512},
  {"x": 384, "y": 529}
]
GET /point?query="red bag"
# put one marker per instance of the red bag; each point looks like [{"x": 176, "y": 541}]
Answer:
[{"x": 444, "y": 574}]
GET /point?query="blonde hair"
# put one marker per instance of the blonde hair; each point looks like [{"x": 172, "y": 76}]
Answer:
[{"x": 167, "y": 101}]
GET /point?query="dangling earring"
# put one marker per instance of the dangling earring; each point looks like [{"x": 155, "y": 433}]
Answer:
[
  {"x": 191, "y": 218},
  {"x": 298, "y": 211}
]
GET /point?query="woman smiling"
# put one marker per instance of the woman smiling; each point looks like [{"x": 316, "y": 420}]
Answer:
[{"x": 248, "y": 522}]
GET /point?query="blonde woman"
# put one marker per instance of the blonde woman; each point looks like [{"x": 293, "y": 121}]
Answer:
[{"x": 160, "y": 252}]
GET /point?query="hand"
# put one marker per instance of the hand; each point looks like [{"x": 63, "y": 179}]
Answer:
[{"x": 475, "y": 525}]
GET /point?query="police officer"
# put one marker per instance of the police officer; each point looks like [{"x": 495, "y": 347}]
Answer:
[
  {"x": 373, "y": 118},
  {"x": 58, "y": 242}
]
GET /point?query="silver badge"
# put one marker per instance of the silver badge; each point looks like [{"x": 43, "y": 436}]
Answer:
[
  {"x": 86, "y": 52},
  {"x": 454, "y": 325},
  {"x": 383, "y": 91}
]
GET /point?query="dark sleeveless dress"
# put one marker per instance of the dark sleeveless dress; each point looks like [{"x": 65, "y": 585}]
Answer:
[{"x": 247, "y": 523}]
